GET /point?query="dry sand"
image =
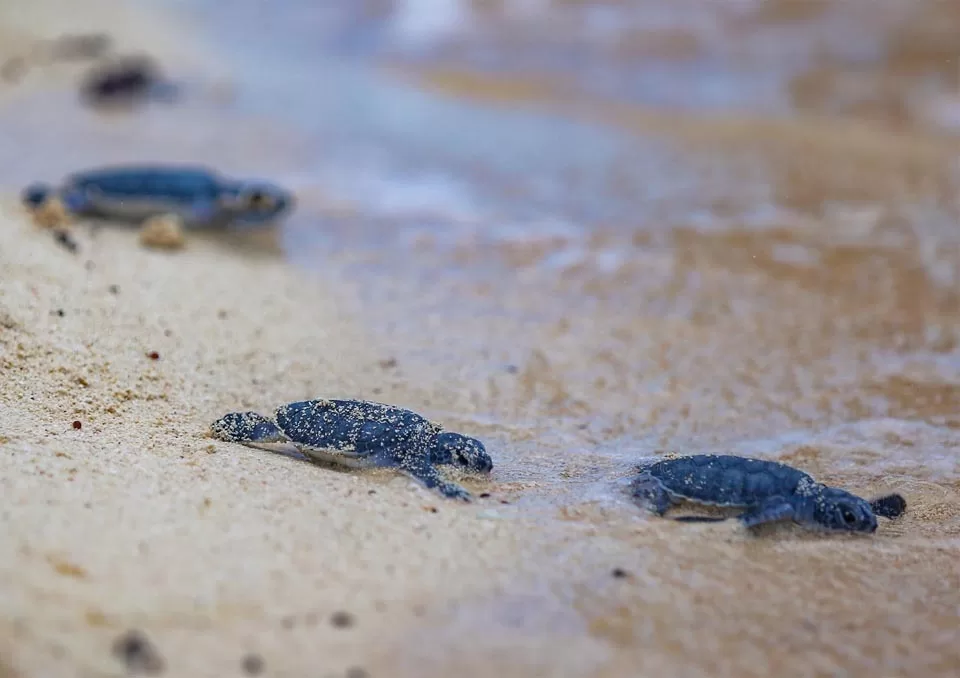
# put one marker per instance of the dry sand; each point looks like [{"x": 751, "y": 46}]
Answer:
[{"x": 137, "y": 520}]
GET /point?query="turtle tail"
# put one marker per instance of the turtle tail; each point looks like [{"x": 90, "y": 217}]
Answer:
[{"x": 34, "y": 195}]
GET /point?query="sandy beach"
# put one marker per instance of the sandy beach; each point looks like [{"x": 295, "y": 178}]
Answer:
[{"x": 120, "y": 513}]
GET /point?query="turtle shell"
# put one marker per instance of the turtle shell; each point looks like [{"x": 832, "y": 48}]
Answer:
[
  {"x": 726, "y": 480},
  {"x": 182, "y": 184},
  {"x": 355, "y": 427}
]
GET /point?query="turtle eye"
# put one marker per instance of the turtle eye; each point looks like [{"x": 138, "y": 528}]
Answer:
[
  {"x": 259, "y": 199},
  {"x": 848, "y": 516}
]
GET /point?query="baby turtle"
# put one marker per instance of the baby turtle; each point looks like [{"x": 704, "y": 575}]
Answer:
[
  {"x": 362, "y": 434},
  {"x": 767, "y": 490},
  {"x": 125, "y": 81},
  {"x": 195, "y": 196}
]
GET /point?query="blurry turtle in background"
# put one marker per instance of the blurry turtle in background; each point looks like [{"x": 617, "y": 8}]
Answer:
[{"x": 161, "y": 199}]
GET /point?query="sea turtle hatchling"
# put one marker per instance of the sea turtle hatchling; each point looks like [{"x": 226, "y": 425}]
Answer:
[
  {"x": 195, "y": 196},
  {"x": 768, "y": 492},
  {"x": 362, "y": 434}
]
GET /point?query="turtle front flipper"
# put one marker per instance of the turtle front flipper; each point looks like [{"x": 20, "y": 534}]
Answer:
[
  {"x": 771, "y": 510},
  {"x": 246, "y": 427},
  {"x": 203, "y": 211},
  {"x": 419, "y": 468},
  {"x": 651, "y": 492},
  {"x": 77, "y": 200}
]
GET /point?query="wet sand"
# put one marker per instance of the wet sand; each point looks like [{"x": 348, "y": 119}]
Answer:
[{"x": 823, "y": 338}]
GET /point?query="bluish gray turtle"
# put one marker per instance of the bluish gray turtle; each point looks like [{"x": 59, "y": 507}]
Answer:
[
  {"x": 196, "y": 196},
  {"x": 767, "y": 491},
  {"x": 362, "y": 434}
]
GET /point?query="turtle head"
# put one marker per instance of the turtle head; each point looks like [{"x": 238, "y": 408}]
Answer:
[
  {"x": 240, "y": 427},
  {"x": 463, "y": 451},
  {"x": 836, "y": 509},
  {"x": 257, "y": 202}
]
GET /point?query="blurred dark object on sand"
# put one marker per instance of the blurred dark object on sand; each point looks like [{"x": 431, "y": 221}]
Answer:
[{"x": 125, "y": 81}]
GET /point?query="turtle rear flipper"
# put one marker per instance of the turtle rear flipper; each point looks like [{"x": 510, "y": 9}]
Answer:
[
  {"x": 202, "y": 211},
  {"x": 771, "y": 510},
  {"x": 36, "y": 194},
  {"x": 889, "y": 506}
]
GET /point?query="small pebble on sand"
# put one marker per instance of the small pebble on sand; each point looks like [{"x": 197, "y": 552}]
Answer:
[
  {"x": 253, "y": 665},
  {"x": 64, "y": 238},
  {"x": 138, "y": 653},
  {"x": 163, "y": 232},
  {"x": 341, "y": 620}
]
